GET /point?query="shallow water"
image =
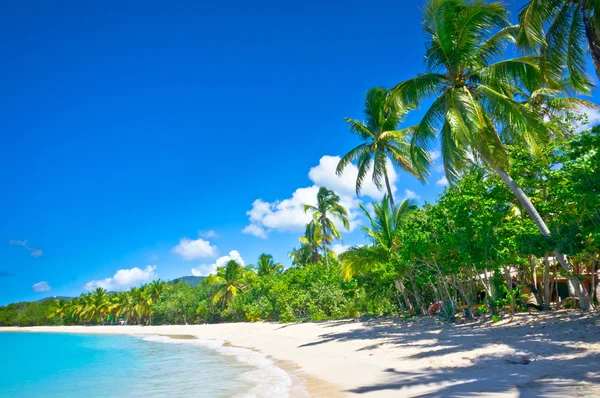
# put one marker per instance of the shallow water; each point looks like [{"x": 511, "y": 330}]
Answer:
[{"x": 70, "y": 365}]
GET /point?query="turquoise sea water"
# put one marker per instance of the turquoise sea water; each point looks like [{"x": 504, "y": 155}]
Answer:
[{"x": 70, "y": 365}]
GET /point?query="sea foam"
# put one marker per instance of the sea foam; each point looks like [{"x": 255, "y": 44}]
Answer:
[{"x": 267, "y": 379}]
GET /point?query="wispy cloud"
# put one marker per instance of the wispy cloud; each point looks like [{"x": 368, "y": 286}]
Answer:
[
  {"x": 41, "y": 287},
  {"x": 33, "y": 252},
  {"x": 211, "y": 233}
]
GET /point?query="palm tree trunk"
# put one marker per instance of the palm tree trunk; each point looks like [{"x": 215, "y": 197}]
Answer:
[
  {"x": 546, "y": 282},
  {"x": 389, "y": 190},
  {"x": 402, "y": 289},
  {"x": 326, "y": 256},
  {"x": 580, "y": 291}
]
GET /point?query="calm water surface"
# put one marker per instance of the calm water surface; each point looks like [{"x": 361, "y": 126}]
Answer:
[{"x": 69, "y": 365}]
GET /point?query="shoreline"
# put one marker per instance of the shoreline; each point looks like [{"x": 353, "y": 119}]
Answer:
[{"x": 420, "y": 356}]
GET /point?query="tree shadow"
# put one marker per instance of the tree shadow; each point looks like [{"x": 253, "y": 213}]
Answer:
[{"x": 556, "y": 357}]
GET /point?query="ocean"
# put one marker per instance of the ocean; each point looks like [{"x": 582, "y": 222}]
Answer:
[{"x": 52, "y": 365}]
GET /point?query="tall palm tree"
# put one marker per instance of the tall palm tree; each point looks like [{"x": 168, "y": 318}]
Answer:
[
  {"x": 266, "y": 266},
  {"x": 478, "y": 104},
  {"x": 563, "y": 31},
  {"x": 228, "y": 282},
  {"x": 327, "y": 209},
  {"x": 383, "y": 141},
  {"x": 383, "y": 233},
  {"x": 385, "y": 224}
]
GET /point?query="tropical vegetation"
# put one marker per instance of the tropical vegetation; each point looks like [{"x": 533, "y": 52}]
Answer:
[{"x": 516, "y": 229}]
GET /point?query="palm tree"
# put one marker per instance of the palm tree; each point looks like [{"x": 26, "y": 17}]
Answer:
[
  {"x": 228, "y": 282},
  {"x": 153, "y": 291},
  {"x": 266, "y": 266},
  {"x": 96, "y": 305},
  {"x": 383, "y": 233},
  {"x": 478, "y": 104},
  {"x": 563, "y": 31},
  {"x": 383, "y": 141},
  {"x": 328, "y": 205},
  {"x": 61, "y": 309}
]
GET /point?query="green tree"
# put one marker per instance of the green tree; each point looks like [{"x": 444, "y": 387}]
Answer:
[
  {"x": 563, "y": 31},
  {"x": 478, "y": 102},
  {"x": 385, "y": 225},
  {"x": 383, "y": 141},
  {"x": 228, "y": 282},
  {"x": 266, "y": 266},
  {"x": 327, "y": 209}
]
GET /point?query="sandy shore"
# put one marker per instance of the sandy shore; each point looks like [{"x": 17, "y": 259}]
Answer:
[{"x": 419, "y": 357}]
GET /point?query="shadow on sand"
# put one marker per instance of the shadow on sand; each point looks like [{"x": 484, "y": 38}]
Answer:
[{"x": 555, "y": 360}]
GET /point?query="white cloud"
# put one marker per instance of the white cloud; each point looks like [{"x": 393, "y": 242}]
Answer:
[
  {"x": 408, "y": 194},
  {"x": 207, "y": 269},
  {"x": 435, "y": 155},
  {"x": 339, "y": 248},
  {"x": 256, "y": 230},
  {"x": 324, "y": 175},
  {"x": 593, "y": 116},
  {"x": 33, "y": 252},
  {"x": 41, "y": 287},
  {"x": 124, "y": 279},
  {"x": 211, "y": 233},
  {"x": 193, "y": 249},
  {"x": 442, "y": 181},
  {"x": 288, "y": 215}
]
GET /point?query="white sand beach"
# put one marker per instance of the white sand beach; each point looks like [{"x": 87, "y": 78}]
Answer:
[{"x": 554, "y": 354}]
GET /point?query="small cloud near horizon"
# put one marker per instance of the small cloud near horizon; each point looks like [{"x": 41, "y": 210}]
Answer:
[
  {"x": 41, "y": 287},
  {"x": 33, "y": 252}
]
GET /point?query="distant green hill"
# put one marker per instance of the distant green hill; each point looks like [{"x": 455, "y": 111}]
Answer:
[
  {"x": 190, "y": 280},
  {"x": 56, "y": 298}
]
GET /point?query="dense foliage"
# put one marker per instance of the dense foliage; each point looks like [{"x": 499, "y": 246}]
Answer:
[{"x": 518, "y": 228}]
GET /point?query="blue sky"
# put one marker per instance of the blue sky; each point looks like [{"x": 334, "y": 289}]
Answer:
[{"x": 137, "y": 136}]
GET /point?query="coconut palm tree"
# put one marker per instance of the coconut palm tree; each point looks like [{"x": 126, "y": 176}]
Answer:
[
  {"x": 383, "y": 141},
  {"x": 228, "y": 282},
  {"x": 563, "y": 31},
  {"x": 327, "y": 209},
  {"x": 266, "y": 266},
  {"x": 478, "y": 103},
  {"x": 385, "y": 225},
  {"x": 153, "y": 291},
  {"x": 96, "y": 305},
  {"x": 61, "y": 308}
]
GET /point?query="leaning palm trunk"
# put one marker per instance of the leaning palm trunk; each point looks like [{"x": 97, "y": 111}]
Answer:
[
  {"x": 389, "y": 190},
  {"x": 579, "y": 290}
]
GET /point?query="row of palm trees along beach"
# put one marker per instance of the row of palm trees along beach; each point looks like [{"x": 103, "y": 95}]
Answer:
[{"x": 518, "y": 227}]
